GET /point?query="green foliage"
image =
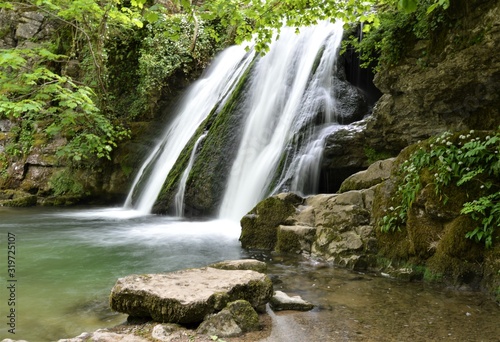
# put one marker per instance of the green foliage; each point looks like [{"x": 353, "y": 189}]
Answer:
[
  {"x": 372, "y": 155},
  {"x": 399, "y": 28},
  {"x": 259, "y": 20},
  {"x": 166, "y": 50},
  {"x": 486, "y": 210},
  {"x": 91, "y": 24},
  {"x": 456, "y": 160},
  {"x": 31, "y": 93}
]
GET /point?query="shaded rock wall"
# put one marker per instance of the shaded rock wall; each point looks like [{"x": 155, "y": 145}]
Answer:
[{"x": 447, "y": 83}]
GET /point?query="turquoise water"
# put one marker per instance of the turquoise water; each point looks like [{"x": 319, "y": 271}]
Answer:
[{"x": 67, "y": 261}]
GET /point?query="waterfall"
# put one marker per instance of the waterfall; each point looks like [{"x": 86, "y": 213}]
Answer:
[
  {"x": 179, "y": 196},
  {"x": 288, "y": 109},
  {"x": 200, "y": 99},
  {"x": 284, "y": 101}
]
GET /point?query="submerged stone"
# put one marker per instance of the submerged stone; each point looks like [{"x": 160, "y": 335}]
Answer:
[{"x": 282, "y": 301}]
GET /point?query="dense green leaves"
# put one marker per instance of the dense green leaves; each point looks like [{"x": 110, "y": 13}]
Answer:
[
  {"x": 397, "y": 28},
  {"x": 30, "y": 93}
]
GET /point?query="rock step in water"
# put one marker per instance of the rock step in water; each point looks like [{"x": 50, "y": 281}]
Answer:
[{"x": 188, "y": 296}]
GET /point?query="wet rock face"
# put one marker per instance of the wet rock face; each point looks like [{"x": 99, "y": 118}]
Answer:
[
  {"x": 456, "y": 89},
  {"x": 188, "y": 296},
  {"x": 344, "y": 155}
]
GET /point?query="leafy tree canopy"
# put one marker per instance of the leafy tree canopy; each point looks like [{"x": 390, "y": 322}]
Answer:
[
  {"x": 260, "y": 19},
  {"x": 32, "y": 87}
]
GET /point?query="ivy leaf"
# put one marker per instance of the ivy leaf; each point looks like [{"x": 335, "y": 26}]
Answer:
[
  {"x": 151, "y": 17},
  {"x": 408, "y": 6}
]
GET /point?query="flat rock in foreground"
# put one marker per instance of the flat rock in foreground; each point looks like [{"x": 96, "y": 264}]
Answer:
[{"x": 188, "y": 296}]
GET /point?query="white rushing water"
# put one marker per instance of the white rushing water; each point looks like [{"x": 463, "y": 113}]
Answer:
[
  {"x": 197, "y": 104},
  {"x": 179, "y": 196},
  {"x": 284, "y": 97}
]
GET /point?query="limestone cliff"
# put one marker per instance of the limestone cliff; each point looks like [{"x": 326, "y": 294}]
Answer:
[{"x": 451, "y": 84}]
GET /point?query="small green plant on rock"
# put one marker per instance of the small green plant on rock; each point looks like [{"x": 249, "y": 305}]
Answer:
[{"x": 470, "y": 159}]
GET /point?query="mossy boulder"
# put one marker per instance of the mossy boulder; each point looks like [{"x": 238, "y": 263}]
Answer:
[
  {"x": 236, "y": 318},
  {"x": 259, "y": 228},
  {"x": 431, "y": 241},
  {"x": 335, "y": 227},
  {"x": 295, "y": 239}
]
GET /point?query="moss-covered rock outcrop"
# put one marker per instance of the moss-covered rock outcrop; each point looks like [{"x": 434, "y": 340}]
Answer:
[
  {"x": 435, "y": 211},
  {"x": 335, "y": 227},
  {"x": 260, "y": 225}
]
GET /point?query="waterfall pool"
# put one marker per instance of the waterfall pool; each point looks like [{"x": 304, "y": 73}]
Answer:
[{"x": 67, "y": 261}]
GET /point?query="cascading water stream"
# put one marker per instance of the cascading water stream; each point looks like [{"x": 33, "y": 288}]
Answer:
[
  {"x": 284, "y": 98},
  {"x": 306, "y": 166},
  {"x": 179, "y": 196},
  {"x": 202, "y": 97},
  {"x": 289, "y": 110},
  {"x": 303, "y": 172}
]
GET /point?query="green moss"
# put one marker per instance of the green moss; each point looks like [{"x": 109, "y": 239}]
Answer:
[
  {"x": 431, "y": 276},
  {"x": 287, "y": 242},
  {"x": 66, "y": 183},
  {"x": 244, "y": 315},
  {"x": 260, "y": 226},
  {"x": 373, "y": 155},
  {"x": 422, "y": 231},
  {"x": 20, "y": 201}
]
